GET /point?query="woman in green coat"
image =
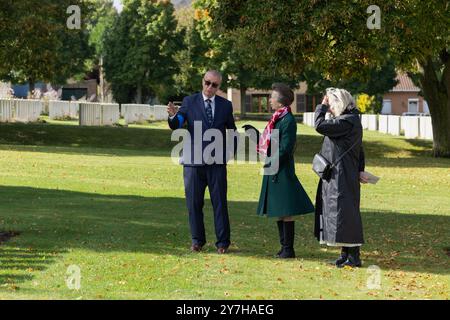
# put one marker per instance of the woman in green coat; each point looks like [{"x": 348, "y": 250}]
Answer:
[{"x": 282, "y": 195}]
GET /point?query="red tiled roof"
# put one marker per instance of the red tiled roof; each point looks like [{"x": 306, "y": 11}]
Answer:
[{"x": 405, "y": 84}]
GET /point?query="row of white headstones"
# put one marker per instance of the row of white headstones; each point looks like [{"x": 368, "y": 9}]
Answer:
[
  {"x": 88, "y": 113},
  {"x": 412, "y": 127}
]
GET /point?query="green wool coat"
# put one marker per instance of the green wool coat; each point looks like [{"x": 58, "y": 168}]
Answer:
[{"x": 282, "y": 194}]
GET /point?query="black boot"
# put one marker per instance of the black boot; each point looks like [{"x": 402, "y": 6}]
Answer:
[
  {"x": 353, "y": 259},
  {"x": 280, "y": 224},
  {"x": 288, "y": 246},
  {"x": 343, "y": 257}
]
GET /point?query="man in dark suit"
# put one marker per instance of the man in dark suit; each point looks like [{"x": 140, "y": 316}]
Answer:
[{"x": 202, "y": 112}]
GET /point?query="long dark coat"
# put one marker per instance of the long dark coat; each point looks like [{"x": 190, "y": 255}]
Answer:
[
  {"x": 338, "y": 200},
  {"x": 282, "y": 194}
]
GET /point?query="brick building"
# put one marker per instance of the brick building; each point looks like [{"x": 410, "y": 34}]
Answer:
[{"x": 404, "y": 98}]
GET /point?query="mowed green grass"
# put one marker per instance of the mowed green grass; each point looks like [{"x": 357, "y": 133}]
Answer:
[{"x": 110, "y": 201}]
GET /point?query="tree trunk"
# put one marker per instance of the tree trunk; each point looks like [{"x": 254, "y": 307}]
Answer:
[
  {"x": 31, "y": 87},
  {"x": 139, "y": 93},
  {"x": 102, "y": 81},
  {"x": 243, "y": 90},
  {"x": 437, "y": 93}
]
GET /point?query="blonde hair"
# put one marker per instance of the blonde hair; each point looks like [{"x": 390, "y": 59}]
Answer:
[{"x": 340, "y": 100}]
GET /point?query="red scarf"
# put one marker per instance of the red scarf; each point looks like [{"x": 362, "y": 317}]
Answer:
[{"x": 264, "y": 142}]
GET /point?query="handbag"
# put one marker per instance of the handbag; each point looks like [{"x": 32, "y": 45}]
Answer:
[{"x": 323, "y": 168}]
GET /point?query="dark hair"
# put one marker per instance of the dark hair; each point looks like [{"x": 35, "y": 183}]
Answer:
[{"x": 285, "y": 94}]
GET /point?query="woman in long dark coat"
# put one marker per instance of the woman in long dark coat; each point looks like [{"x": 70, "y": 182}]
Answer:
[
  {"x": 338, "y": 217},
  {"x": 282, "y": 196}
]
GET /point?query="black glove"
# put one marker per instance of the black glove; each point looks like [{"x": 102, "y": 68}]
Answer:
[{"x": 250, "y": 127}]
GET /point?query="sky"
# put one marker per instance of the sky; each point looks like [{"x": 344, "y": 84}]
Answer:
[{"x": 118, "y": 5}]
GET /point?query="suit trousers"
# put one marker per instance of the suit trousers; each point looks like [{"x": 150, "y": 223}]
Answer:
[{"x": 196, "y": 179}]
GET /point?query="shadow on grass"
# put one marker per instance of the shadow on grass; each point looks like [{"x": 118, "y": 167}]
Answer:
[
  {"x": 411, "y": 153},
  {"x": 53, "y": 221},
  {"x": 88, "y": 151},
  {"x": 74, "y": 140},
  {"x": 16, "y": 264},
  {"x": 106, "y": 139}
]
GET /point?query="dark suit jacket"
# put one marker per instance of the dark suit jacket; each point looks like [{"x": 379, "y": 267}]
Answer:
[{"x": 193, "y": 110}]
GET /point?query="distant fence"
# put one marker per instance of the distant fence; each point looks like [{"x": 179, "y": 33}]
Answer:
[
  {"x": 89, "y": 114},
  {"x": 308, "y": 118},
  {"x": 58, "y": 110},
  {"x": 98, "y": 114},
  {"x": 369, "y": 122},
  {"x": 17, "y": 110},
  {"x": 412, "y": 127},
  {"x": 159, "y": 112},
  {"x": 133, "y": 113}
]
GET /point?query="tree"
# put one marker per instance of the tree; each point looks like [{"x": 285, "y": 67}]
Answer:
[
  {"x": 367, "y": 104},
  {"x": 333, "y": 37},
  {"x": 40, "y": 46},
  {"x": 192, "y": 59},
  {"x": 139, "y": 50},
  {"x": 101, "y": 20},
  {"x": 232, "y": 59},
  {"x": 381, "y": 79}
]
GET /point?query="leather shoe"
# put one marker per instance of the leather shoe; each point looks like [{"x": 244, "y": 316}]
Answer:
[
  {"x": 350, "y": 262},
  {"x": 353, "y": 259},
  {"x": 343, "y": 257},
  {"x": 222, "y": 250},
  {"x": 196, "y": 248}
]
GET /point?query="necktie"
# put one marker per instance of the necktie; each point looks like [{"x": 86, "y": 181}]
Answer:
[{"x": 209, "y": 114}]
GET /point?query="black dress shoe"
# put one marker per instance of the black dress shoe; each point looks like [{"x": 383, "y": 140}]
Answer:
[
  {"x": 287, "y": 253},
  {"x": 353, "y": 260},
  {"x": 222, "y": 250},
  {"x": 196, "y": 248},
  {"x": 350, "y": 263},
  {"x": 343, "y": 257}
]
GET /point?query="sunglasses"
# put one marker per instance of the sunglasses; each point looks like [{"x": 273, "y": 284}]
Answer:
[{"x": 213, "y": 84}]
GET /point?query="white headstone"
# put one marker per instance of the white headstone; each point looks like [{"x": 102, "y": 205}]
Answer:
[
  {"x": 411, "y": 127},
  {"x": 426, "y": 128},
  {"x": 394, "y": 125},
  {"x": 383, "y": 123},
  {"x": 372, "y": 122}
]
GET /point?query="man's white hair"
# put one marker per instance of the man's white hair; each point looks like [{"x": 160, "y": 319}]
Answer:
[
  {"x": 340, "y": 100},
  {"x": 214, "y": 73}
]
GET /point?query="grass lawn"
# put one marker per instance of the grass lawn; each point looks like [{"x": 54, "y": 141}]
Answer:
[{"x": 110, "y": 201}]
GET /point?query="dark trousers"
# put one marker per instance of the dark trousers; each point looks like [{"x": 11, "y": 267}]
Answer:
[{"x": 196, "y": 179}]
